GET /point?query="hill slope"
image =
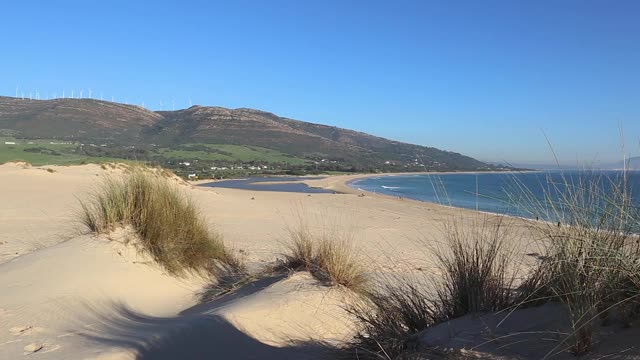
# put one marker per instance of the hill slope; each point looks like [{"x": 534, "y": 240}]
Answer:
[
  {"x": 73, "y": 119},
  {"x": 126, "y": 125},
  {"x": 632, "y": 163}
]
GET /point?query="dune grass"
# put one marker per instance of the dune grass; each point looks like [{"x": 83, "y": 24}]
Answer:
[
  {"x": 477, "y": 275},
  {"x": 478, "y": 263},
  {"x": 168, "y": 223},
  {"x": 329, "y": 258},
  {"x": 590, "y": 263},
  {"x": 591, "y": 253}
]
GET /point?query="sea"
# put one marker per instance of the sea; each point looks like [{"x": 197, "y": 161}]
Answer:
[{"x": 525, "y": 194}]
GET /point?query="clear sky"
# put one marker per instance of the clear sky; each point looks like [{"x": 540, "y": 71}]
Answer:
[{"x": 484, "y": 78}]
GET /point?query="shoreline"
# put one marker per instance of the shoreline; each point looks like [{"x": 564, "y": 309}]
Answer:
[
  {"x": 305, "y": 178},
  {"x": 340, "y": 183}
]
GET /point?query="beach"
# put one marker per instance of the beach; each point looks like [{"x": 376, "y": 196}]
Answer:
[
  {"x": 71, "y": 294},
  {"x": 61, "y": 281}
]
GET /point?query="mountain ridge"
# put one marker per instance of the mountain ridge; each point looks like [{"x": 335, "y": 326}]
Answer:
[{"x": 122, "y": 124}]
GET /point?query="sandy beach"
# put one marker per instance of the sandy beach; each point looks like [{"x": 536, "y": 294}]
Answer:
[
  {"x": 69, "y": 294},
  {"x": 61, "y": 283}
]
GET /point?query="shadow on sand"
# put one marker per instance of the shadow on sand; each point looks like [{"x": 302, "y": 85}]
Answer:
[{"x": 197, "y": 333}]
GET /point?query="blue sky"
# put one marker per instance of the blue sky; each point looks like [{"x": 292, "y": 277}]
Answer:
[{"x": 484, "y": 78}]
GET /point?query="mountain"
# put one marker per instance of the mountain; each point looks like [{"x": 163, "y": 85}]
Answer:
[
  {"x": 90, "y": 120},
  {"x": 72, "y": 119},
  {"x": 632, "y": 163}
]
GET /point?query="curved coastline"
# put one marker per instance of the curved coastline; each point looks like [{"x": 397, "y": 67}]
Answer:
[{"x": 346, "y": 184}]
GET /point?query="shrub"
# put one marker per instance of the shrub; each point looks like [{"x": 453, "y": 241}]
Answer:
[{"x": 168, "y": 223}]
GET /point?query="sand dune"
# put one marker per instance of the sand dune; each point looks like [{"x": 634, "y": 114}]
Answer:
[{"x": 74, "y": 296}]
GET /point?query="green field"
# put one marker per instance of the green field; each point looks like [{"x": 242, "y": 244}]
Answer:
[
  {"x": 54, "y": 154},
  {"x": 220, "y": 152}
]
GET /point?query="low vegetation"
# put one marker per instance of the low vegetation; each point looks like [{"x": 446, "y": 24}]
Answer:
[
  {"x": 329, "y": 258},
  {"x": 478, "y": 265},
  {"x": 592, "y": 253},
  {"x": 168, "y": 223},
  {"x": 477, "y": 274},
  {"x": 589, "y": 263}
]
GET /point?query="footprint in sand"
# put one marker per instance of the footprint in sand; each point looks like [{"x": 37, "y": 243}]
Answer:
[
  {"x": 32, "y": 348},
  {"x": 24, "y": 330},
  {"x": 42, "y": 348}
]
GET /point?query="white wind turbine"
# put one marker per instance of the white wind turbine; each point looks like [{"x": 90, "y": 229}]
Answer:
[
  {"x": 81, "y": 90},
  {"x": 90, "y": 93},
  {"x": 72, "y": 93}
]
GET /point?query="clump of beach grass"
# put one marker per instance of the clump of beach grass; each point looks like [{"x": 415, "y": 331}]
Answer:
[
  {"x": 591, "y": 251},
  {"x": 167, "y": 222},
  {"x": 328, "y": 257},
  {"x": 478, "y": 273},
  {"x": 478, "y": 265}
]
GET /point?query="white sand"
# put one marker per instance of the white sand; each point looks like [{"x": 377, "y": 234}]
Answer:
[{"x": 69, "y": 295}]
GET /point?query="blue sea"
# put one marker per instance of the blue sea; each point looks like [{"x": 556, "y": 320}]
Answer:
[{"x": 502, "y": 193}]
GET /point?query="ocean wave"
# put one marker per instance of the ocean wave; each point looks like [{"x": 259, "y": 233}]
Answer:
[{"x": 390, "y": 187}]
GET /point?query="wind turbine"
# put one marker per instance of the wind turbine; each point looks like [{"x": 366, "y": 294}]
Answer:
[
  {"x": 90, "y": 93},
  {"x": 190, "y": 103},
  {"x": 72, "y": 93},
  {"x": 22, "y": 92},
  {"x": 63, "y": 93},
  {"x": 81, "y": 90},
  {"x": 101, "y": 96},
  {"x": 16, "y": 91},
  {"x": 112, "y": 98}
]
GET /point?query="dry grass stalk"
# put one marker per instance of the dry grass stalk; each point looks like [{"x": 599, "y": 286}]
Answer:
[{"x": 330, "y": 258}]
